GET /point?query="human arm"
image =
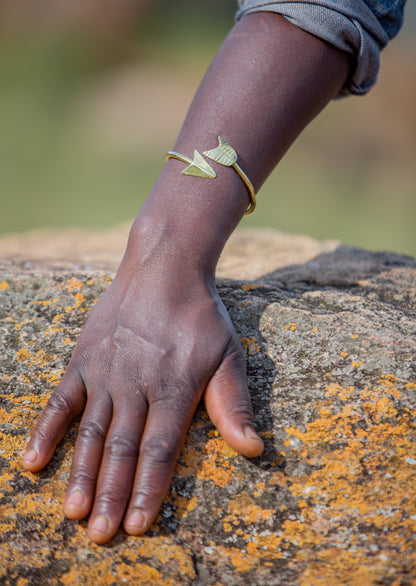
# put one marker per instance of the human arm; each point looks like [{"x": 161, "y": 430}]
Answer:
[{"x": 160, "y": 337}]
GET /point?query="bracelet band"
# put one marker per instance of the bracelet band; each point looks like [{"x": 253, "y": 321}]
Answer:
[{"x": 224, "y": 154}]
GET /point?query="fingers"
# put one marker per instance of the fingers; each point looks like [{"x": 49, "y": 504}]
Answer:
[
  {"x": 162, "y": 442},
  {"x": 228, "y": 403},
  {"x": 115, "y": 479},
  {"x": 106, "y": 469},
  {"x": 64, "y": 405},
  {"x": 87, "y": 456}
]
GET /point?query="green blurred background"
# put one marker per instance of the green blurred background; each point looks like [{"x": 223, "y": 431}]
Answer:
[{"x": 94, "y": 93}]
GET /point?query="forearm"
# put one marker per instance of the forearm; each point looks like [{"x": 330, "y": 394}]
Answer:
[{"x": 268, "y": 80}]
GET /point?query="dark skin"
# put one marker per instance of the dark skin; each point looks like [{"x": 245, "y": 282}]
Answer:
[{"x": 160, "y": 338}]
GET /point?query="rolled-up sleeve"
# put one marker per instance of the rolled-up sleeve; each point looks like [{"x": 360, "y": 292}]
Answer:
[{"x": 362, "y": 28}]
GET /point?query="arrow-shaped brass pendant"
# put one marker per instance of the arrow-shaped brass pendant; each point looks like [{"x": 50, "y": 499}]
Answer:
[
  {"x": 199, "y": 167},
  {"x": 223, "y": 153}
]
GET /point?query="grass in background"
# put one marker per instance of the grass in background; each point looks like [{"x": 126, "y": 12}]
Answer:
[{"x": 83, "y": 137}]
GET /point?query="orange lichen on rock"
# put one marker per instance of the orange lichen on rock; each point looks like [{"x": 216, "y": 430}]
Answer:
[
  {"x": 79, "y": 300},
  {"x": 74, "y": 284},
  {"x": 259, "y": 488},
  {"x": 166, "y": 552},
  {"x": 184, "y": 505},
  {"x": 216, "y": 465},
  {"x": 240, "y": 560},
  {"x": 250, "y": 345},
  {"x": 243, "y": 508},
  {"x": 40, "y": 358},
  {"x": 359, "y": 476},
  {"x": 106, "y": 575}
]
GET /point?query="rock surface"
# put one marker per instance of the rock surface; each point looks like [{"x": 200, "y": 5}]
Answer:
[
  {"x": 248, "y": 254},
  {"x": 330, "y": 338}
]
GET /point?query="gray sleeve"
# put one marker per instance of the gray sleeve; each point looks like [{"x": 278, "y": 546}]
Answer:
[{"x": 360, "y": 27}]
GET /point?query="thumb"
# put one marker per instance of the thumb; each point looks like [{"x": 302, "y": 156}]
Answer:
[{"x": 228, "y": 404}]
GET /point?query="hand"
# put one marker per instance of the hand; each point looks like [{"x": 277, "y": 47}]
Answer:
[{"x": 153, "y": 344}]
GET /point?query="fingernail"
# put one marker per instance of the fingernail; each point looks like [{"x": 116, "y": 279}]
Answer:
[
  {"x": 250, "y": 433},
  {"x": 101, "y": 524},
  {"x": 75, "y": 500},
  {"x": 30, "y": 456},
  {"x": 136, "y": 521}
]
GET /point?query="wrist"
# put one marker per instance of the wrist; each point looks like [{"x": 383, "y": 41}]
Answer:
[
  {"x": 187, "y": 220},
  {"x": 159, "y": 242}
]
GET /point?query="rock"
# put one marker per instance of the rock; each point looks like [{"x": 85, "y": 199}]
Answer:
[
  {"x": 248, "y": 254},
  {"x": 330, "y": 338}
]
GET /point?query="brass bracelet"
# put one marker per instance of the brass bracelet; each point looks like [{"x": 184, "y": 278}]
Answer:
[{"x": 224, "y": 154}]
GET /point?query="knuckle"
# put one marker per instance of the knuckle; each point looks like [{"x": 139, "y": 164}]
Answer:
[
  {"x": 148, "y": 496},
  {"x": 121, "y": 446},
  {"x": 171, "y": 400},
  {"x": 80, "y": 360},
  {"x": 111, "y": 496},
  {"x": 244, "y": 412},
  {"x": 238, "y": 407},
  {"x": 82, "y": 476},
  {"x": 91, "y": 431},
  {"x": 59, "y": 403},
  {"x": 242, "y": 409},
  {"x": 158, "y": 451},
  {"x": 41, "y": 433}
]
